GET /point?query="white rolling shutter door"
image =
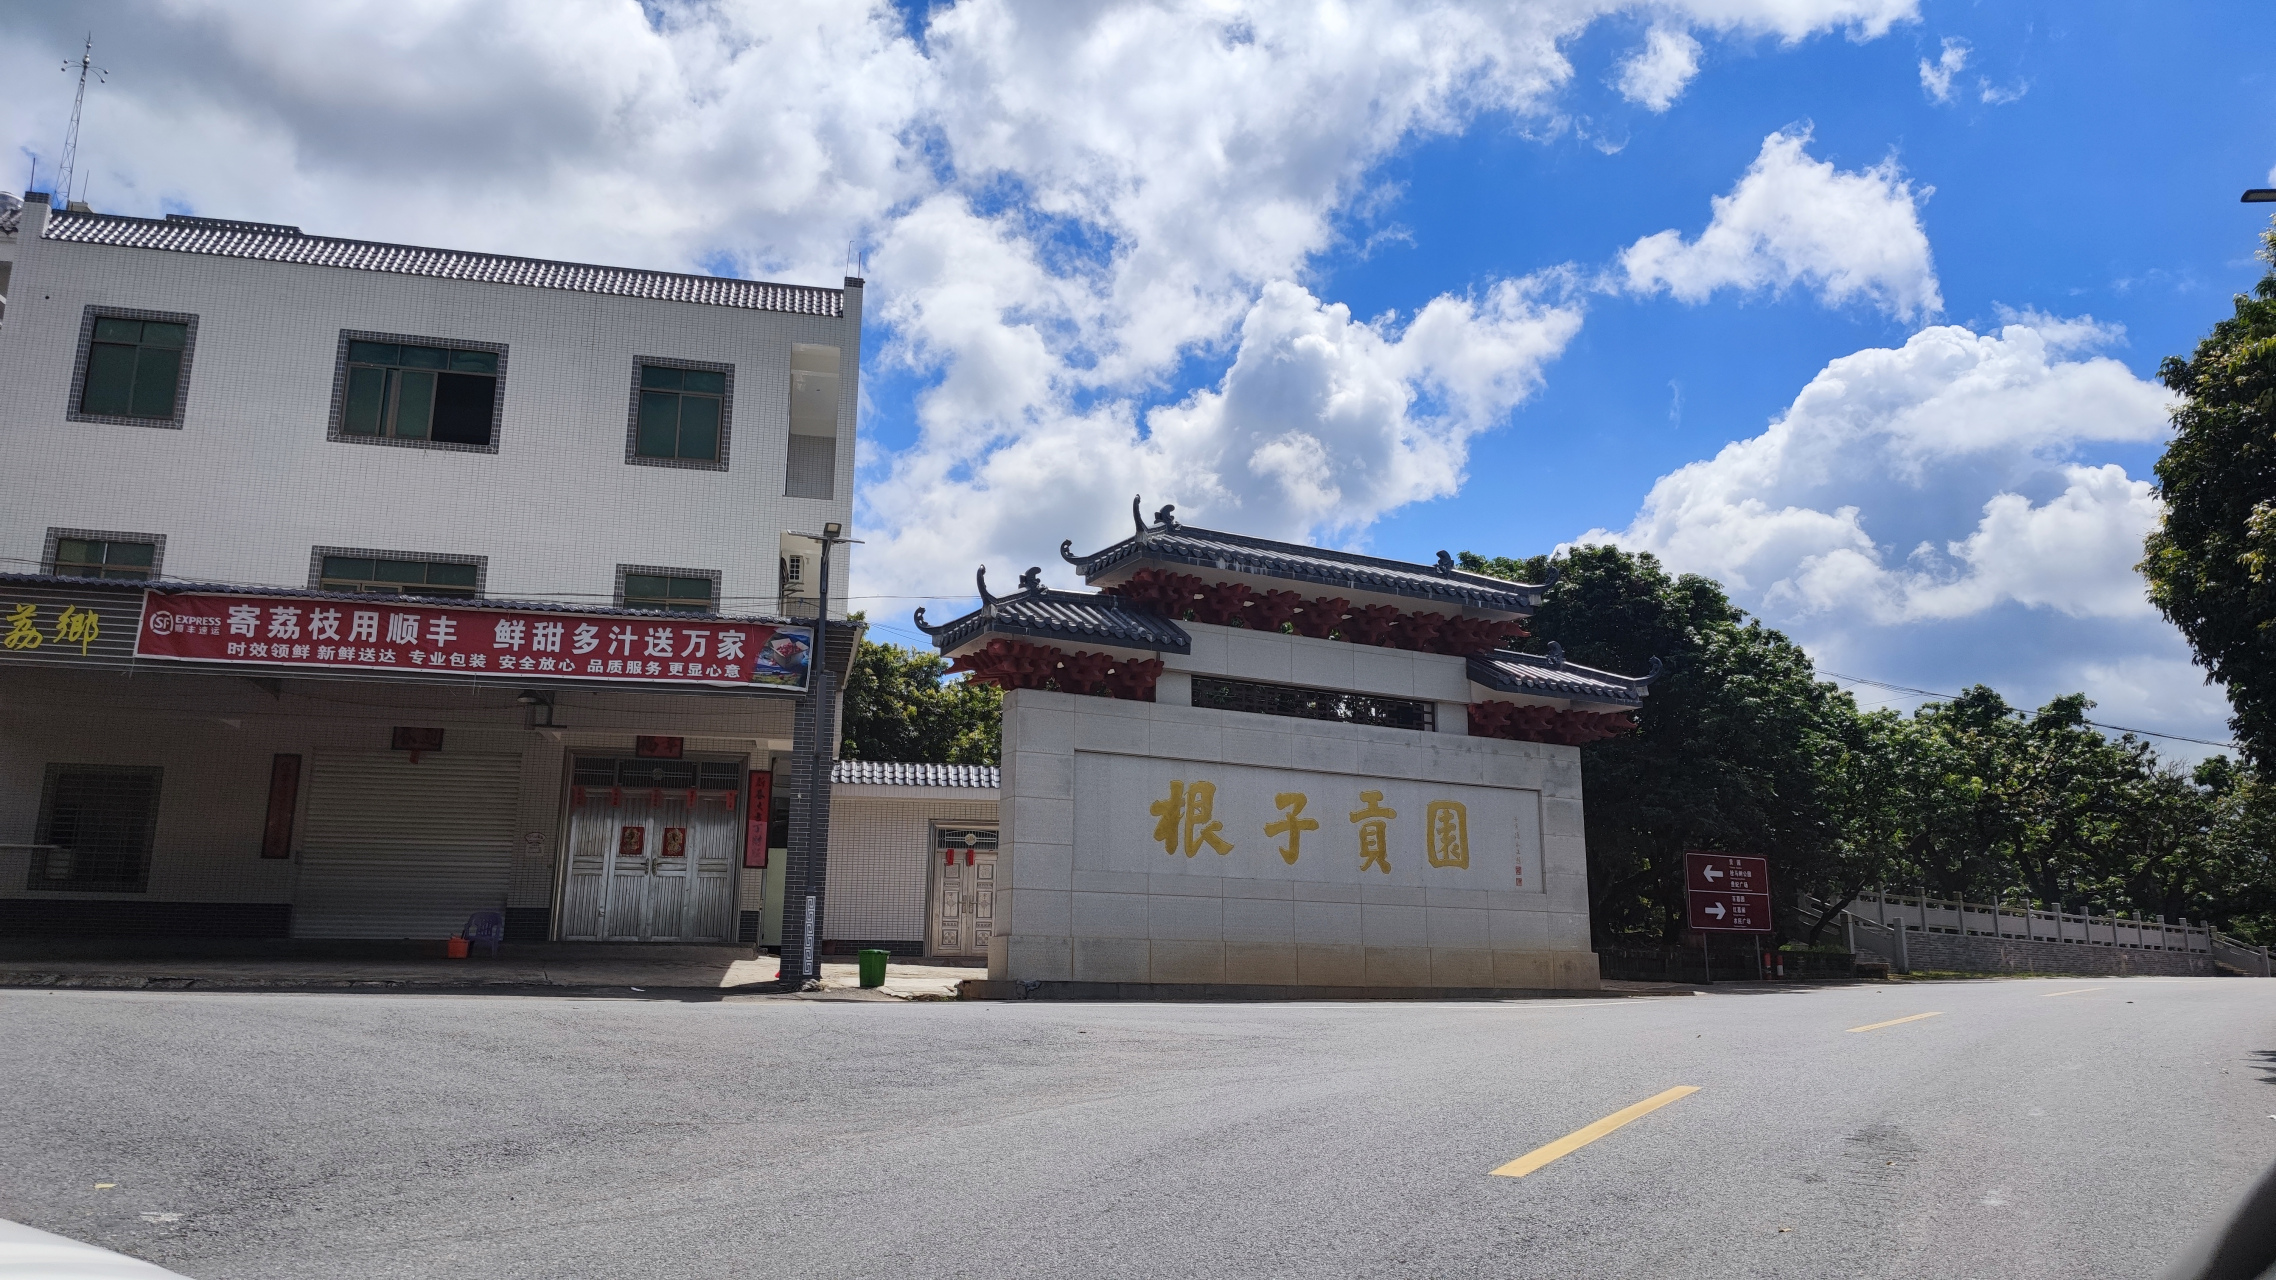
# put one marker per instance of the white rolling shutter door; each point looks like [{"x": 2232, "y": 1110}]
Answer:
[{"x": 401, "y": 850}]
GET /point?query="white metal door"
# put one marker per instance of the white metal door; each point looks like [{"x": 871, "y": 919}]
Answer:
[
  {"x": 402, "y": 850},
  {"x": 964, "y": 904},
  {"x": 648, "y": 865}
]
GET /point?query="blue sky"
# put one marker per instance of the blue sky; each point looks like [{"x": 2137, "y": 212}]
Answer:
[{"x": 1853, "y": 304}]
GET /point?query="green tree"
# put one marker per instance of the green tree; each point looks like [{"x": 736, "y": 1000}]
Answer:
[
  {"x": 900, "y": 704},
  {"x": 2211, "y": 563},
  {"x": 1738, "y": 746}
]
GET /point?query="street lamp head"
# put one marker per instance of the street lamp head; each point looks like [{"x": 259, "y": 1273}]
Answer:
[
  {"x": 833, "y": 529},
  {"x": 2260, "y": 195}
]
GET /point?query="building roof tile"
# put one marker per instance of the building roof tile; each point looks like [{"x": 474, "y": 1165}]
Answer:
[
  {"x": 1168, "y": 541},
  {"x": 271, "y": 242},
  {"x": 1549, "y": 675},
  {"x": 887, "y": 773},
  {"x": 1075, "y": 617}
]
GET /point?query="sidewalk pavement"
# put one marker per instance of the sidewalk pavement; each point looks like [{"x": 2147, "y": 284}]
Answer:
[{"x": 526, "y": 970}]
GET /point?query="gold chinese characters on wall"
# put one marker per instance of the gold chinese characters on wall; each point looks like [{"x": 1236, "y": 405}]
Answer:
[{"x": 1186, "y": 822}]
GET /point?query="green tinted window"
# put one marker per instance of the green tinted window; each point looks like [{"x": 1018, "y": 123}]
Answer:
[
  {"x": 670, "y": 592},
  {"x": 380, "y": 576},
  {"x": 679, "y": 413},
  {"x": 413, "y": 392},
  {"x": 105, "y": 558},
  {"x": 134, "y": 368}
]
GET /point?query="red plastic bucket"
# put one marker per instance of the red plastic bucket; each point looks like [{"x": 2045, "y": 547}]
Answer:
[{"x": 454, "y": 948}]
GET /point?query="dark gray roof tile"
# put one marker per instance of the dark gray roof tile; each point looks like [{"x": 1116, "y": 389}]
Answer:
[
  {"x": 890, "y": 773},
  {"x": 1533, "y": 673},
  {"x": 271, "y": 242},
  {"x": 1070, "y": 617},
  {"x": 1174, "y": 543}
]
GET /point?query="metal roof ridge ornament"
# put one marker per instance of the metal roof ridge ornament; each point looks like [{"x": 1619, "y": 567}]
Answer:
[{"x": 1165, "y": 520}]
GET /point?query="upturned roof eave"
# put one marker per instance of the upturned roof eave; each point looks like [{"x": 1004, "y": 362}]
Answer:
[{"x": 1336, "y": 570}]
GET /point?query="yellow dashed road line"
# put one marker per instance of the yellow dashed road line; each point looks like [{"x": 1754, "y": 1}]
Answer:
[{"x": 1579, "y": 1138}]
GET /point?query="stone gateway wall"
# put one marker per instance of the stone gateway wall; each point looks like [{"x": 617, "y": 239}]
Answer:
[{"x": 1158, "y": 843}]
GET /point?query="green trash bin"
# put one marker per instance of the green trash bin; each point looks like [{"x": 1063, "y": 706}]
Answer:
[{"x": 873, "y": 966}]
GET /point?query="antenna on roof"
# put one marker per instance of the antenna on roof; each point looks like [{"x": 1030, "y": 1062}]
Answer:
[{"x": 71, "y": 138}]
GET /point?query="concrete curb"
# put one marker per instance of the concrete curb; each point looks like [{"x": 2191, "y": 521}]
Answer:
[
  {"x": 1004, "y": 989},
  {"x": 34, "y": 980}
]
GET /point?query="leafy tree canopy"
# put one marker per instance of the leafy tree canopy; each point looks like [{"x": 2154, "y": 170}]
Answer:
[
  {"x": 2211, "y": 563},
  {"x": 1740, "y": 748},
  {"x": 900, "y": 705}
]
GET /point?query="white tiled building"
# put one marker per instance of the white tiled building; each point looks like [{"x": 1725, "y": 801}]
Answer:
[{"x": 308, "y": 425}]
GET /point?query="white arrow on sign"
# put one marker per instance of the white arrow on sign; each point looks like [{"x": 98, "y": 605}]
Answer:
[
  {"x": 1715, "y": 909},
  {"x": 1714, "y": 874}
]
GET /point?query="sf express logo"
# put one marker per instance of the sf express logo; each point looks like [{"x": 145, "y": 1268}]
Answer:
[{"x": 163, "y": 623}]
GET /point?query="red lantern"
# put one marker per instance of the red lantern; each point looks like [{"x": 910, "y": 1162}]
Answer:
[
  {"x": 577, "y": 796},
  {"x": 656, "y": 797},
  {"x": 616, "y": 797},
  {"x": 968, "y": 857},
  {"x": 948, "y": 857},
  {"x": 691, "y": 797}
]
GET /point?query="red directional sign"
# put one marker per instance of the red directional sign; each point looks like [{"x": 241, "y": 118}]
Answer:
[
  {"x": 1725, "y": 873},
  {"x": 1728, "y": 893},
  {"x": 1730, "y": 912}
]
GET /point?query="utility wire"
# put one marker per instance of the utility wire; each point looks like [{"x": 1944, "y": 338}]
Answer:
[{"x": 2114, "y": 728}]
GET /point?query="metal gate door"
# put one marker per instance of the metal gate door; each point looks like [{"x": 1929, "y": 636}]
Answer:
[
  {"x": 964, "y": 915},
  {"x": 652, "y": 851},
  {"x": 402, "y": 850}
]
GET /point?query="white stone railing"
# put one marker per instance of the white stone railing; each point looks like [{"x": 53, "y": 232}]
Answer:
[{"x": 2010, "y": 920}]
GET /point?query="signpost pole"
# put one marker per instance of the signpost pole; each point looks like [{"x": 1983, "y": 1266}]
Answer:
[{"x": 808, "y": 857}]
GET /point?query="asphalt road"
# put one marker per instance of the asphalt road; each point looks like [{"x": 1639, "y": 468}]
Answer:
[{"x": 2020, "y": 1132}]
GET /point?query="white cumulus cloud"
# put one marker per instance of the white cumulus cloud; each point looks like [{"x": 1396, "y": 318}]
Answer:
[
  {"x": 1924, "y": 515},
  {"x": 1794, "y": 220},
  {"x": 1897, "y": 485},
  {"x": 1322, "y": 424},
  {"x": 1657, "y": 73},
  {"x": 1065, "y": 209},
  {"x": 1936, "y": 77}
]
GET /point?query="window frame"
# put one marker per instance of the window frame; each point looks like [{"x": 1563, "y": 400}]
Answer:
[
  {"x": 78, "y": 390},
  {"x": 56, "y": 535},
  {"x": 36, "y": 878},
  {"x": 632, "y": 417},
  {"x": 665, "y": 571},
  {"x": 481, "y": 569},
  {"x": 335, "y": 426}
]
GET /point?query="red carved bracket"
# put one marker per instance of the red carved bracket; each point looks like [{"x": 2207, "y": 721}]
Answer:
[
  {"x": 1011, "y": 664},
  {"x": 1179, "y": 596},
  {"x": 1546, "y": 724}
]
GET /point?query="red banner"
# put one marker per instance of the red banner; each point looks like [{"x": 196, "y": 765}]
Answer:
[
  {"x": 404, "y": 637},
  {"x": 761, "y": 810}
]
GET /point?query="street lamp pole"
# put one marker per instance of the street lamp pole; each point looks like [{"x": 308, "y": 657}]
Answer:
[{"x": 809, "y": 852}]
